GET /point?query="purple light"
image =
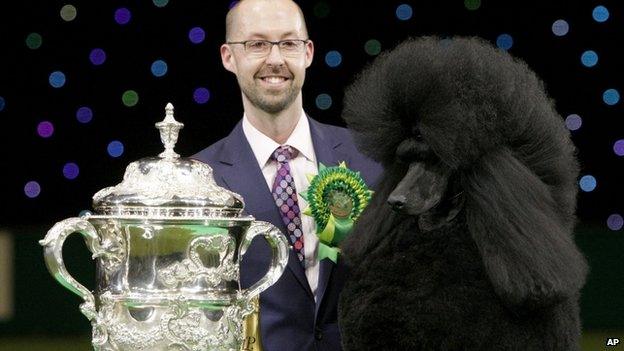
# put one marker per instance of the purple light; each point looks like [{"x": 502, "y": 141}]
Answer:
[
  {"x": 32, "y": 189},
  {"x": 71, "y": 170},
  {"x": 618, "y": 147},
  {"x": 615, "y": 222},
  {"x": 45, "y": 129},
  {"x": 84, "y": 115},
  {"x": 232, "y": 4},
  {"x": 122, "y": 15},
  {"x": 201, "y": 95},
  {"x": 197, "y": 35},
  {"x": 573, "y": 122},
  {"x": 97, "y": 56}
]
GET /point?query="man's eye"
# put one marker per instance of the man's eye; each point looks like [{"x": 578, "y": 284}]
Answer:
[
  {"x": 289, "y": 44},
  {"x": 256, "y": 44}
]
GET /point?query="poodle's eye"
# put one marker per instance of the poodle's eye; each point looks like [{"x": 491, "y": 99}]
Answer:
[{"x": 416, "y": 133}]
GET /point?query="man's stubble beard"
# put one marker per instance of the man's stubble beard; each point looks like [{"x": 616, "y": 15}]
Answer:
[{"x": 271, "y": 106}]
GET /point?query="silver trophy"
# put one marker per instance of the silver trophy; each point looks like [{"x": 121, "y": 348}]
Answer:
[{"x": 167, "y": 242}]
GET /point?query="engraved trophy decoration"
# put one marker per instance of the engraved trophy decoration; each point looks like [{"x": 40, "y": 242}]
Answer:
[{"x": 167, "y": 242}]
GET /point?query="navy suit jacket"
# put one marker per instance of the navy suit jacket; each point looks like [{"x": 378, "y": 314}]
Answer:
[{"x": 290, "y": 319}]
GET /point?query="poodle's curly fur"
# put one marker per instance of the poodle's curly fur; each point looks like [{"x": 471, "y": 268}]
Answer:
[{"x": 491, "y": 263}]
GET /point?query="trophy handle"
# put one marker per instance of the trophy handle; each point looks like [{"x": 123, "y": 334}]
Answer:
[
  {"x": 279, "y": 250},
  {"x": 53, "y": 254}
]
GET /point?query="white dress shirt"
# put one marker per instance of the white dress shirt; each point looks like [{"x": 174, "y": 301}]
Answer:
[{"x": 304, "y": 163}]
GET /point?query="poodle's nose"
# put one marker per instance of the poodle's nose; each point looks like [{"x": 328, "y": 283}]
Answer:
[{"x": 397, "y": 202}]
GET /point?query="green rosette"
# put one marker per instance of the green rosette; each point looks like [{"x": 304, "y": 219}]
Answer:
[{"x": 336, "y": 197}]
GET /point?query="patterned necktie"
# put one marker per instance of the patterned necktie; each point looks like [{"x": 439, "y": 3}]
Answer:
[{"x": 285, "y": 196}]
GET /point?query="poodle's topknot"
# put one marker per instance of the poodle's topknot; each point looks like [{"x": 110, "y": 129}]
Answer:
[{"x": 467, "y": 98}]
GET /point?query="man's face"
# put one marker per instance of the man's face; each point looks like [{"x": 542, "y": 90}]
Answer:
[{"x": 271, "y": 82}]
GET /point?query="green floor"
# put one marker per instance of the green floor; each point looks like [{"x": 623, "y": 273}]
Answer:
[{"x": 591, "y": 341}]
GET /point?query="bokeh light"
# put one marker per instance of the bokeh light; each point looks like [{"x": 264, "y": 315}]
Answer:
[
  {"x": 333, "y": 58},
  {"x": 587, "y": 183},
  {"x": 57, "y": 79},
  {"x": 372, "y": 47},
  {"x": 84, "y": 114},
  {"x": 159, "y": 68},
  {"x": 321, "y": 9},
  {"x": 504, "y": 41},
  {"x": 130, "y": 98},
  {"x": 71, "y": 170},
  {"x": 611, "y": 97},
  {"x": 196, "y": 35},
  {"x": 201, "y": 95},
  {"x": 323, "y": 101},
  {"x": 2, "y": 103},
  {"x": 600, "y": 14},
  {"x": 589, "y": 58},
  {"x": 160, "y": 3},
  {"x": 122, "y": 15},
  {"x": 115, "y": 148},
  {"x": 472, "y": 4},
  {"x": 560, "y": 27},
  {"x": 68, "y": 13},
  {"x": 404, "y": 12},
  {"x": 34, "y": 41},
  {"x": 45, "y": 129},
  {"x": 615, "y": 222},
  {"x": 84, "y": 213},
  {"x": 32, "y": 189},
  {"x": 573, "y": 122},
  {"x": 618, "y": 147},
  {"x": 232, "y": 4},
  {"x": 97, "y": 56}
]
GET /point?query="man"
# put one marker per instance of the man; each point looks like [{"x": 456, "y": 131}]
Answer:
[{"x": 268, "y": 49}]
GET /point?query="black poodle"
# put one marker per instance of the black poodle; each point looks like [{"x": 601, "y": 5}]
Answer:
[{"x": 467, "y": 243}]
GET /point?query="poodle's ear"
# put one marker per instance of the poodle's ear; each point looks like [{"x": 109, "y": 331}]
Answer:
[{"x": 529, "y": 255}]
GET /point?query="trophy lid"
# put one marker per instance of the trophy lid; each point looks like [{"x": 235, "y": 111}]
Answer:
[{"x": 168, "y": 185}]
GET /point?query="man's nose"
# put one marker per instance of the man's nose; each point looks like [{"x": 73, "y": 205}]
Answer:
[{"x": 275, "y": 57}]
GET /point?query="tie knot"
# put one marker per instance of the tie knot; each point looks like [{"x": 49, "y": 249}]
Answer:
[{"x": 284, "y": 153}]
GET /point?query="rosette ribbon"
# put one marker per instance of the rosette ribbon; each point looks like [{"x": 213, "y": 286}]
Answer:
[{"x": 336, "y": 197}]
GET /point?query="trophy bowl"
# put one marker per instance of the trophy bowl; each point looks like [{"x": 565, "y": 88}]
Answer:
[{"x": 167, "y": 242}]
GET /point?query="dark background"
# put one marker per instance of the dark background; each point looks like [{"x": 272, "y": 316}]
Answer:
[{"x": 161, "y": 33}]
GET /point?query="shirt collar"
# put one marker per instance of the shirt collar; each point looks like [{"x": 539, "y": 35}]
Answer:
[{"x": 263, "y": 146}]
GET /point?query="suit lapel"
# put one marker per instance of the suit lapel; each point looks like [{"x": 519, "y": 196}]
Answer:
[
  {"x": 241, "y": 173},
  {"x": 327, "y": 150}
]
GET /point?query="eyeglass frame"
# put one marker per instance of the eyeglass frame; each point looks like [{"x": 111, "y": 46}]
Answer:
[{"x": 244, "y": 43}]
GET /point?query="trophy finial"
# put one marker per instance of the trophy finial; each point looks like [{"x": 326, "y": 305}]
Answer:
[{"x": 169, "y": 129}]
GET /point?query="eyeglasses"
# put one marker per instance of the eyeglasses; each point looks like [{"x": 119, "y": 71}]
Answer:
[{"x": 288, "y": 47}]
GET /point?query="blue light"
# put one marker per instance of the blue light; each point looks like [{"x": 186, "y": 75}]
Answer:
[
  {"x": 71, "y": 170},
  {"x": 587, "y": 183},
  {"x": 504, "y": 41},
  {"x": 615, "y": 222},
  {"x": 333, "y": 58},
  {"x": 159, "y": 68},
  {"x": 573, "y": 122},
  {"x": 560, "y": 28},
  {"x": 589, "y": 58},
  {"x": 323, "y": 101},
  {"x": 404, "y": 12},
  {"x": 2, "y": 103},
  {"x": 611, "y": 97},
  {"x": 115, "y": 148},
  {"x": 84, "y": 115},
  {"x": 57, "y": 79},
  {"x": 32, "y": 189},
  {"x": 196, "y": 35},
  {"x": 600, "y": 13}
]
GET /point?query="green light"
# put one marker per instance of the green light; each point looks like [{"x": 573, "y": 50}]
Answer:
[
  {"x": 472, "y": 4},
  {"x": 160, "y": 3},
  {"x": 372, "y": 47},
  {"x": 33, "y": 41},
  {"x": 321, "y": 9},
  {"x": 130, "y": 98},
  {"x": 68, "y": 13}
]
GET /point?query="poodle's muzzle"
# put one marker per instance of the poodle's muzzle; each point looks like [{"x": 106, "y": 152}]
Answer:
[{"x": 421, "y": 189}]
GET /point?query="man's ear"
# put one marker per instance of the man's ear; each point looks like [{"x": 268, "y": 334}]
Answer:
[
  {"x": 227, "y": 58},
  {"x": 309, "y": 53}
]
